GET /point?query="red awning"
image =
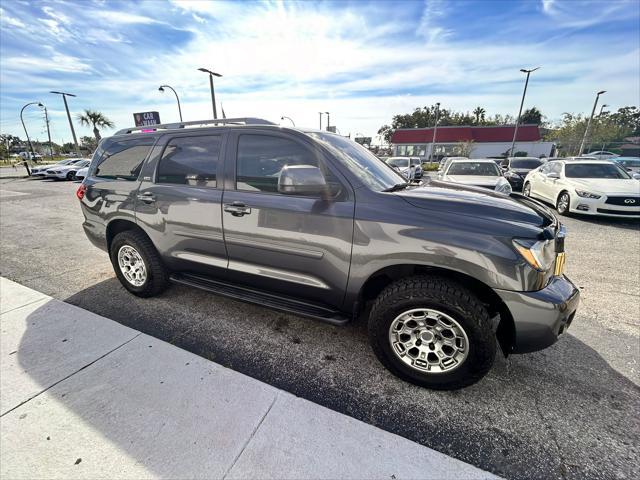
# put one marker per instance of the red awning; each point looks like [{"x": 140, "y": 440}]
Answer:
[{"x": 526, "y": 133}]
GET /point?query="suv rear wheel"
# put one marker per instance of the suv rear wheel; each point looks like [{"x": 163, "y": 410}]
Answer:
[
  {"x": 433, "y": 332},
  {"x": 137, "y": 264}
]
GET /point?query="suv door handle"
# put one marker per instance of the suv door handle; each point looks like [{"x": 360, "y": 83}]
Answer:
[
  {"x": 237, "y": 209},
  {"x": 146, "y": 197}
]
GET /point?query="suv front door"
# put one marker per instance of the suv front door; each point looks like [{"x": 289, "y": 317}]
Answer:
[
  {"x": 290, "y": 244},
  {"x": 179, "y": 202}
]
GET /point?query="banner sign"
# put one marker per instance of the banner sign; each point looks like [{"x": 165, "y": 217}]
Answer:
[{"x": 145, "y": 119}]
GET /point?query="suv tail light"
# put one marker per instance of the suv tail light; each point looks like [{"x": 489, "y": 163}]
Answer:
[{"x": 81, "y": 191}]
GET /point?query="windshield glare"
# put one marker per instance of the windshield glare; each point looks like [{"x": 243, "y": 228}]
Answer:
[
  {"x": 594, "y": 170},
  {"x": 398, "y": 162},
  {"x": 371, "y": 171},
  {"x": 529, "y": 164},
  {"x": 474, "y": 168}
]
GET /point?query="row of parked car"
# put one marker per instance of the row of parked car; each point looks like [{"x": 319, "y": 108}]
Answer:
[
  {"x": 67, "y": 169},
  {"x": 592, "y": 185}
]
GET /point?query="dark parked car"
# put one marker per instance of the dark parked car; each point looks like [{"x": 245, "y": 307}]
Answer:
[
  {"x": 314, "y": 224},
  {"x": 516, "y": 168}
]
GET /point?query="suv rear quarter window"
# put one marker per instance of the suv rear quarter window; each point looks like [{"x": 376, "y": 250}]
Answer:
[{"x": 122, "y": 158}]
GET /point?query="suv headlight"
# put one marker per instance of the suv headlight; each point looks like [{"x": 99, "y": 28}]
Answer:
[
  {"x": 585, "y": 194},
  {"x": 540, "y": 255}
]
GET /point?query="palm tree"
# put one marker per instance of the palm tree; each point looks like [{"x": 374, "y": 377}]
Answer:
[
  {"x": 95, "y": 119},
  {"x": 479, "y": 113}
]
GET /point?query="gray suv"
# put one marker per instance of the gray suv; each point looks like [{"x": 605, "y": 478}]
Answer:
[{"x": 311, "y": 223}]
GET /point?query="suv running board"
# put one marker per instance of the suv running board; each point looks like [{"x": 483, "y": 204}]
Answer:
[{"x": 261, "y": 298}]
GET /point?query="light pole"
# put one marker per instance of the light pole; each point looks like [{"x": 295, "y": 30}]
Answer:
[
  {"x": 586, "y": 130},
  {"x": 288, "y": 118},
  {"x": 66, "y": 106},
  {"x": 602, "y": 108},
  {"x": 26, "y": 165},
  {"x": 328, "y": 120},
  {"x": 46, "y": 120},
  {"x": 435, "y": 129},
  {"x": 213, "y": 95},
  {"x": 161, "y": 89},
  {"x": 515, "y": 131},
  {"x": 320, "y": 114}
]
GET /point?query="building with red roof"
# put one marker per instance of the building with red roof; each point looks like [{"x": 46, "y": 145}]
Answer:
[{"x": 486, "y": 141}]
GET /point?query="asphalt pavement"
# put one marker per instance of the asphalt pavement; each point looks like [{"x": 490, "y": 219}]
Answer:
[{"x": 570, "y": 411}]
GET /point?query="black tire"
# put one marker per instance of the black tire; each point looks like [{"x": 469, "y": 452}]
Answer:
[
  {"x": 559, "y": 208},
  {"x": 526, "y": 190},
  {"x": 447, "y": 297},
  {"x": 157, "y": 278},
  {"x": 71, "y": 175}
]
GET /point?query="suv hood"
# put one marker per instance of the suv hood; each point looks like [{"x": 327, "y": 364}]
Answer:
[{"x": 478, "y": 202}]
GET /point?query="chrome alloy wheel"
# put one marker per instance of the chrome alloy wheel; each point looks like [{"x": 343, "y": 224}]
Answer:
[
  {"x": 132, "y": 266},
  {"x": 428, "y": 341},
  {"x": 563, "y": 203}
]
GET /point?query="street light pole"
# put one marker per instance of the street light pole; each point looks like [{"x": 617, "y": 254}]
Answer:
[
  {"x": 46, "y": 119},
  {"x": 161, "y": 89},
  {"x": 213, "y": 94},
  {"x": 524, "y": 93},
  {"x": 320, "y": 114},
  {"x": 288, "y": 118},
  {"x": 26, "y": 165},
  {"x": 328, "y": 120},
  {"x": 435, "y": 129},
  {"x": 66, "y": 106},
  {"x": 586, "y": 130},
  {"x": 602, "y": 108}
]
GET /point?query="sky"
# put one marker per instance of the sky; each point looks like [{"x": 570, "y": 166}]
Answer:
[{"x": 362, "y": 61}]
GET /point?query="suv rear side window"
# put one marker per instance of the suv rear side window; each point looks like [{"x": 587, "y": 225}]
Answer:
[
  {"x": 122, "y": 159},
  {"x": 190, "y": 160},
  {"x": 261, "y": 157}
]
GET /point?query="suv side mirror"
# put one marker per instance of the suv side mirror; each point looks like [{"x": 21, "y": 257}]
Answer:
[{"x": 301, "y": 180}]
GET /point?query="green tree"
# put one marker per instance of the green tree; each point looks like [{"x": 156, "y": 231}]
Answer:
[
  {"x": 531, "y": 116},
  {"x": 96, "y": 120},
  {"x": 89, "y": 143},
  {"x": 479, "y": 113}
]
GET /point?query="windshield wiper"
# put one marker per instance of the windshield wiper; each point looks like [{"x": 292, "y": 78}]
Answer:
[{"x": 396, "y": 187}]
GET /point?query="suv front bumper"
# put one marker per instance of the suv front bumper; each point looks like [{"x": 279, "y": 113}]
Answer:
[{"x": 541, "y": 317}]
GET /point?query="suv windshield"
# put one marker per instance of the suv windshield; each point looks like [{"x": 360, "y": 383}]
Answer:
[
  {"x": 474, "y": 168},
  {"x": 526, "y": 164},
  {"x": 594, "y": 170},
  {"x": 371, "y": 171}
]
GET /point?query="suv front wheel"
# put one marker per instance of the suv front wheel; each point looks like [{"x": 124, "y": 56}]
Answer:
[
  {"x": 433, "y": 332},
  {"x": 137, "y": 264}
]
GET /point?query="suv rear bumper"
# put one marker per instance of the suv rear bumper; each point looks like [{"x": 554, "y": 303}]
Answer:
[{"x": 541, "y": 317}]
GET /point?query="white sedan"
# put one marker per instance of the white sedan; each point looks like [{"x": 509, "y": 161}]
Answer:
[
  {"x": 475, "y": 172},
  {"x": 591, "y": 187},
  {"x": 66, "y": 172},
  {"x": 80, "y": 174},
  {"x": 409, "y": 167},
  {"x": 41, "y": 170}
]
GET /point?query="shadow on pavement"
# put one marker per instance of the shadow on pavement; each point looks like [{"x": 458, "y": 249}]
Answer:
[{"x": 560, "y": 413}]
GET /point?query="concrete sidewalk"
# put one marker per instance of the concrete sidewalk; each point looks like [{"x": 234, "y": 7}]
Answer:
[{"x": 82, "y": 396}]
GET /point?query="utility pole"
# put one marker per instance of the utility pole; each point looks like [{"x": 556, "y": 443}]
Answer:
[
  {"x": 586, "y": 130},
  {"x": 46, "y": 120},
  {"x": 328, "y": 120},
  {"x": 515, "y": 131},
  {"x": 66, "y": 106},
  {"x": 435, "y": 129},
  {"x": 320, "y": 114}
]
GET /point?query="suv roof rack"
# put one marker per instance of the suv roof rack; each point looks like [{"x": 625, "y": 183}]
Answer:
[{"x": 198, "y": 123}]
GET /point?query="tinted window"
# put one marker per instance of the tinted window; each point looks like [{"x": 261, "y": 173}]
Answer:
[
  {"x": 474, "y": 168},
  {"x": 122, "y": 159},
  {"x": 190, "y": 160},
  {"x": 630, "y": 163},
  {"x": 261, "y": 158},
  {"x": 526, "y": 164},
  {"x": 594, "y": 170}
]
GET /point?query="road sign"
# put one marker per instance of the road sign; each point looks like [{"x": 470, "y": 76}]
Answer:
[{"x": 145, "y": 119}]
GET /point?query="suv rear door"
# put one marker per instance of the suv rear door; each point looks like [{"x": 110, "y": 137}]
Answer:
[
  {"x": 295, "y": 245},
  {"x": 178, "y": 203}
]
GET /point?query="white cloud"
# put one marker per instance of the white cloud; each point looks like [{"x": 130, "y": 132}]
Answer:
[
  {"x": 586, "y": 13},
  {"x": 432, "y": 20},
  {"x": 10, "y": 21},
  {"x": 120, "y": 17}
]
